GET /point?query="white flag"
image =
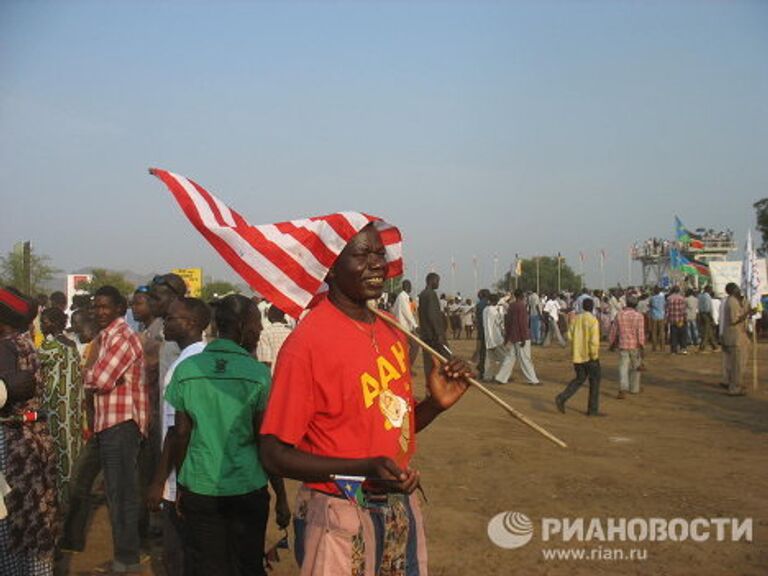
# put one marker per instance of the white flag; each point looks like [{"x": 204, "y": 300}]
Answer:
[{"x": 750, "y": 274}]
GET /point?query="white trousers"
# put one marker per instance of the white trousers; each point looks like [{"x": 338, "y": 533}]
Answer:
[{"x": 518, "y": 351}]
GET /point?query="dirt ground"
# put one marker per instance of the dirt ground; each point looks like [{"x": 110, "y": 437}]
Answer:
[{"x": 680, "y": 449}]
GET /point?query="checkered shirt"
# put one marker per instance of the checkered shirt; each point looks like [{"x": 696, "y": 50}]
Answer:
[
  {"x": 117, "y": 378},
  {"x": 628, "y": 330},
  {"x": 270, "y": 342},
  {"x": 676, "y": 309}
]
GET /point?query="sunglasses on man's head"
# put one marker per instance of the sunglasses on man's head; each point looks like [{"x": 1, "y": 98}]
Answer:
[
  {"x": 162, "y": 280},
  {"x": 144, "y": 289}
]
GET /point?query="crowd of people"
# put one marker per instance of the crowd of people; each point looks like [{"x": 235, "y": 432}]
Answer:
[
  {"x": 122, "y": 402},
  {"x": 190, "y": 410},
  {"x": 629, "y": 320}
]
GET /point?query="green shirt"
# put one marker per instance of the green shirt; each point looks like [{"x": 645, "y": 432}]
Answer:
[{"x": 220, "y": 389}]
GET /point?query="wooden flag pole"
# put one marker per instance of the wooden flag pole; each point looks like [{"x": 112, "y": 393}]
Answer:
[{"x": 524, "y": 419}]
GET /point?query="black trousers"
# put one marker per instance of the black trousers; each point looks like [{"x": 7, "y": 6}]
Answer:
[
  {"x": 677, "y": 338},
  {"x": 224, "y": 535},
  {"x": 480, "y": 351},
  {"x": 586, "y": 370}
]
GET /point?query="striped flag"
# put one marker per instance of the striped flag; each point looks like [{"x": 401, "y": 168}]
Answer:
[{"x": 285, "y": 262}]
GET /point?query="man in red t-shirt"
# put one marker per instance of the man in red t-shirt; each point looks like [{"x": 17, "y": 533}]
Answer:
[{"x": 342, "y": 404}]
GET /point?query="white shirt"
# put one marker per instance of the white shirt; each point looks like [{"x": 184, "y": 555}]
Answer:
[
  {"x": 718, "y": 307},
  {"x": 493, "y": 323},
  {"x": 402, "y": 312},
  {"x": 468, "y": 314},
  {"x": 168, "y": 415},
  {"x": 552, "y": 308},
  {"x": 534, "y": 304},
  {"x": 263, "y": 307}
]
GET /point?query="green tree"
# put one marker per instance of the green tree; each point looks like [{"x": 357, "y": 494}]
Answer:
[
  {"x": 761, "y": 207},
  {"x": 103, "y": 277},
  {"x": 12, "y": 270},
  {"x": 211, "y": 288},
  {"x": 569, "y": 280},
  {"x": 394, "y": 285}
]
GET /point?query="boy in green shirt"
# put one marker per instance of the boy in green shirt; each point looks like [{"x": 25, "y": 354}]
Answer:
[{"x": 219, "y": 396}]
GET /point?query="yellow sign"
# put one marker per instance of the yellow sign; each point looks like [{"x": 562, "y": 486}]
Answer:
[{"x": 193, "y": 277}]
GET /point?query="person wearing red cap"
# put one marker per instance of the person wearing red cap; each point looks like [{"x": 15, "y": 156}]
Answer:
[{"x": 28, "y": 534}]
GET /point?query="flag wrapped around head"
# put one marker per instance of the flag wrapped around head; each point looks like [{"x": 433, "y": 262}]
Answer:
[{"x": 285, "y": 262}]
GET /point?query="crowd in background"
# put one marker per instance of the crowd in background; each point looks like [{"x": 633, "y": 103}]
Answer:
[
  {"x": 105, "y": 370},
  {"x": 102, "y": 370}
]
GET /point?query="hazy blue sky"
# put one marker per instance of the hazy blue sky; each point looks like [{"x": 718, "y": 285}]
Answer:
[{"x": 487, "y": 128}]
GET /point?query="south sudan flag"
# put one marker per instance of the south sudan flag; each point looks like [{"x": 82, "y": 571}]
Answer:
[
  {"x": 689, "y": 267},
  {"x": 685, "y": 236}
]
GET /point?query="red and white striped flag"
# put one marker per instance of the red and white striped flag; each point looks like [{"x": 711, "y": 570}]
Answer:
[{"x": 285, "y": 262}]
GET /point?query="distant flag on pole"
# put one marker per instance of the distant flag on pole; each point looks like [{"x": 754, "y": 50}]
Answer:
[
  {"x": 285, "y": 262},
  {"x": 602, "y": 256},
  {"x": 750, "y": 274},
  {"x": 518, "y": 266},
  {"x": 582, "y": 257}
]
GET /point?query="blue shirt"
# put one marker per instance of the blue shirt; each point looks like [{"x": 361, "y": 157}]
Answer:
[
  {"x": 705, "y": 303},
  {"x": 657, "y": 305}
]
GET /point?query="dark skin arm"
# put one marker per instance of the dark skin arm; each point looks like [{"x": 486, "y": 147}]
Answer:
[
  {"x": 282, "y": 510},
  {"x": 182, "y": 426},
  {"x": 447, "y": 385},
  {"x": 89, "y": 414},
  {"x": 20, "y": 384},
  {"x": 182, "y": 432},
  {"x": 164, "y": 467}
]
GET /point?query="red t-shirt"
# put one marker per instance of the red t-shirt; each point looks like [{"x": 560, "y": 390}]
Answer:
[{"x": 334, "y": 394}]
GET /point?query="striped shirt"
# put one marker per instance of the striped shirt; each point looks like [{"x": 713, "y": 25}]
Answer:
[{"x": 117, "y": 379}]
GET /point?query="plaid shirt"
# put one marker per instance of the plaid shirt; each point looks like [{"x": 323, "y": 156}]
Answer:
[
  {"x": 628, "y": 330},
  {"x": 676, "y": 309},
  {"x": 270, "y": 342},
  {"x": 117, "y": 379}
]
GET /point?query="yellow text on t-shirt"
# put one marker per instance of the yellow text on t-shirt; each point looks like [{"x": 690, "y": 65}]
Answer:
[{"x": 372, "y": 386}]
